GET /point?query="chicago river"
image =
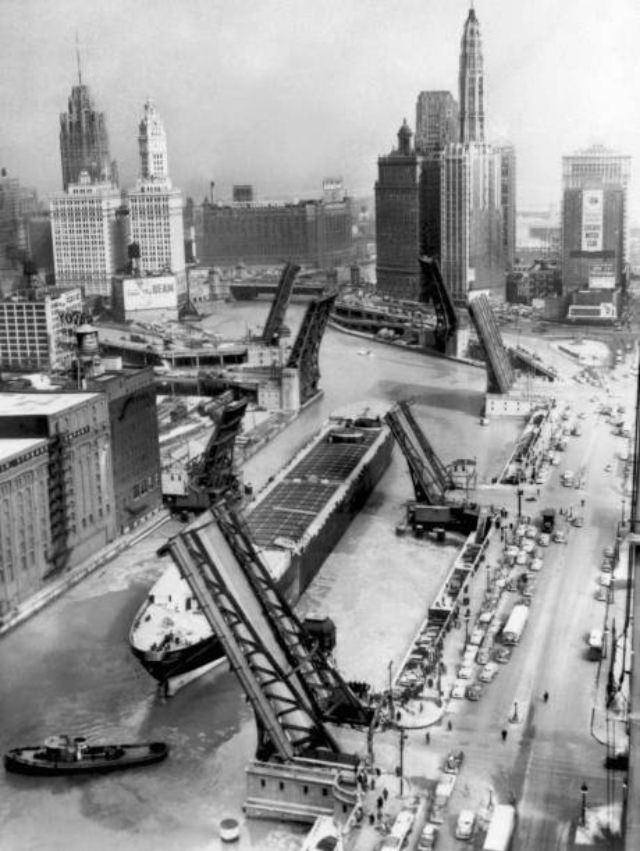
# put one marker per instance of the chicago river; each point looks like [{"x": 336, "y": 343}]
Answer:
[{"x": 69, "y": 669}]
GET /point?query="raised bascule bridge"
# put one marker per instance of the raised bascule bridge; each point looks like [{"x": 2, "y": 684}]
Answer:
[
  {"x": 299, "y": 770},
  {"x": 435, "y": 506}
]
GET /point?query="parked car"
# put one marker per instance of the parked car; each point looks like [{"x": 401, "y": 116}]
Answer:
[
  {"x": 483, "y": 656},
  {"x": 536, "y": 565},
  {"x": 453, "y": 762},
  {"x": 488, "y": 672},
  {"x": 522, "y": 557},
  {"x": 559, "y": 536},
  {"x": 476, "y": 636},
  {"x": 605, "y": 580},
  {"x": 578, "y": 520},
  {"x": 459, "y": 690},
  {"x": 521, "y": 531},
  {"x": 608, "y": 552},
  {"x": 466, "y": 824},
  {"x": 528, "y": 545},
  {"x": 607, "y": 565},
  {"x": 428, "y": 838},
  {"x": 465, "y": 672},
  {"x": 474, "y": 692},
  {"x": 502, "y": 655},
  {"x": 531, "y": 531},
  {"x": 601, "y": 594},
  {"x": 512, "y": 551},
  {"x": 545, "y": 539}
]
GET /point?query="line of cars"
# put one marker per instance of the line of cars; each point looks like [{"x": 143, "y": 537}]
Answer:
[{"x": 605, "y": 581}]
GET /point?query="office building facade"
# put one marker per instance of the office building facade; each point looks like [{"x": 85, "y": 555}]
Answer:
[
  {"x": 25, "y": 529},
  {"x": 398, "y": 220},
  {"x": 36, "y": 332},
  {"x": 437, "y": 121},
  {"x": 594, "y": 219},
  {"x": 80, "y": 477},
  {"x": 89, "y": 232}
]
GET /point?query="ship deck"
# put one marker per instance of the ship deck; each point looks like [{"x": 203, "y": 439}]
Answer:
[{"x": 294, "y": 502}]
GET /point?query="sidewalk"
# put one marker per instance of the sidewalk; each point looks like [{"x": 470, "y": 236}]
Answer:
[{"x": 62, "y": 582}]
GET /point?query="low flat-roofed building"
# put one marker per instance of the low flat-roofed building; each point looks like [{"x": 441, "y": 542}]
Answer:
[
  {"x": 81, "y": 497},
  {"x": 25, "y": 535}
]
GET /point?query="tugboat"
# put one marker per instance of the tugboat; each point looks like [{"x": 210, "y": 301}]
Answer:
[{"x": 63, "y": 755}]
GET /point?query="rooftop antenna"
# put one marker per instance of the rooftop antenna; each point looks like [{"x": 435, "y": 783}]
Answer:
[{"x": 78, "y": 60}]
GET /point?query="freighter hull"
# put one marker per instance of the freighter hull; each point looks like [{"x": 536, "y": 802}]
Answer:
[{"x": 295, "y": 522}]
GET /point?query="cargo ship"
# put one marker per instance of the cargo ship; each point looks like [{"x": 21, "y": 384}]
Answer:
[{"x": 295, "y": 522}]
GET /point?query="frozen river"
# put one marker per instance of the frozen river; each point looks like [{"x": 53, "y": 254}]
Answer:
[{"x": 69, "y": 669}]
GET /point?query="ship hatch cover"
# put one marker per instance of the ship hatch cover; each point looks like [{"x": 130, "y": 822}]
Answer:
[{"x": 346, "y": 435}]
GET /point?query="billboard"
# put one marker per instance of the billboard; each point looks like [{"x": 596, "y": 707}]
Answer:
[
  {"x": 152, "y": 293},
  {"x": 592, "y": 218},
  {"x": 602, "y": 276}
]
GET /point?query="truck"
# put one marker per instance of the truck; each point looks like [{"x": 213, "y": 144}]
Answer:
[
  {"x": 548, "y": 519},
  {"x": 501, "y": 827},
  {"x": 514, "y": 627}
]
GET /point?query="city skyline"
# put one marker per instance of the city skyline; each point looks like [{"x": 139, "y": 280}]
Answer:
[{"x": 282, "y": 94}]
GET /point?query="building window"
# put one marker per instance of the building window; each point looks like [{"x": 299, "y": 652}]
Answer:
[{"x": 281, "y": 786}]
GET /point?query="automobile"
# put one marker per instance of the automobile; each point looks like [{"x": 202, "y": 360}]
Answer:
[
  {"x": 536, "y": 565},
  {"x": 578, "y": 520},
  {"x": 488, "y": 672},
  {"x": 466, "y": 824},
  {"x": 531, "y": 532},
  {"x": 512, "y": 585},
  {"x": 474, "y": 692},
  {"x": 521, "y": 530},
  {"x": 428, "y": 838},
  {"x": 484, "y": 654},
  {"x": 528, "y": 545},
  {"x": 512, "y": 551},
  {"x": 559, "y": 536},
  {"x": 459, "y": 690},
  {"x": 607, "y": 565},
  {"x": 544, "y": 539},
  {"x": 601, "y": 594},
  {"x": 477, "y": 636},
  {"x": 605, "y": 580},
  {"x": 453, "y": 762},
  {"x": 465, "y": 672},
  {"x": 502, "y": 655},
  {"x": 607, "y": 552}
]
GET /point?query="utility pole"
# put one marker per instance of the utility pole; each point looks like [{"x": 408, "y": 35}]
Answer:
[{"x": 403, "y": 737}]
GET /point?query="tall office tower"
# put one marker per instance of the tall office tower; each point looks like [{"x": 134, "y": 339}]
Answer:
[
  {"x": 437, "y": 120},
  {"x": 155, "y": 206},
  {"x": 89, "y": 231},
  {"x": 471, "y": 82},
  {"x": 508, "y": 200},
  {"x": 471, "y": 220},
  {"x": 84, "y": 141},
  {"x": 398, "y": 220},
  {"x": 594, "y": 218}
]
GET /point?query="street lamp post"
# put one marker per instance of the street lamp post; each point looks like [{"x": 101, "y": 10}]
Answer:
[
  {"x": 520, "y": 492},
  {"x": 583, "y": 805},
  {"x": 391, "y": 711},
  {"x": 403, "y": 738},
  {"x": 466, "y": 619}
]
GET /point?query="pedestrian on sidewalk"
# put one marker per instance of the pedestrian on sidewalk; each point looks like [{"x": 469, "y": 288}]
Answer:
[
  {"x": 449, "y": 726},
  {"x": 385, "y": 793},
  {"x": 427, "y": 738},
  {"x": 504, "y": 735},
  {"x": 545, "y": 697}
]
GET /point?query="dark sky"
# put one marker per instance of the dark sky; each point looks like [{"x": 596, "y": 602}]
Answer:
[{"x": 281, "y": 93}]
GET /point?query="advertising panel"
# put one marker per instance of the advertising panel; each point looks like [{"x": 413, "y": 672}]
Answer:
[
  {"x": 592, "y": 215},
  {"x": 602, "y": 276},
  {"x": 151, "y": 293}
]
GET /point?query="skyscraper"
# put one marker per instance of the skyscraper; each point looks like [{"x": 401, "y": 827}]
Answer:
[
  {"x": 437, "y": 121},
  {"x": 471, "y": 79},
  {"x": 508, "y": 200},
  {"x": 155, "y": 206},
  {"x": 594, "y": 218},
  {"x": 84, "y": 142},
  {"x": 398, "y": 220},
  {"x": 89, "y": 233}
]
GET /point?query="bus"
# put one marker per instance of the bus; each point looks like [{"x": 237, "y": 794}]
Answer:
[
  {"x": 514, "y": 627},
  {"x": 501, "y": 827}
]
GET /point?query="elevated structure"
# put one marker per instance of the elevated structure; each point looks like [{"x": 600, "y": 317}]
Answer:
[
  {"x": 434, "y": 289},
  {"x": 275, "y": 320},
  {"x": 264, "y": 644},
  {"x": 428, "y": 474},
  {"x": 532, "y": 362},
  {"x": 304, "y": 353},
  {"x": 499, "y": 370},
  {"x": 212, "y": 476}
]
